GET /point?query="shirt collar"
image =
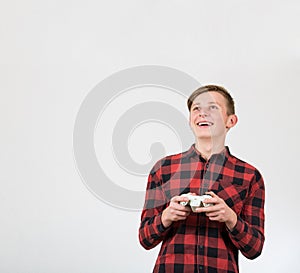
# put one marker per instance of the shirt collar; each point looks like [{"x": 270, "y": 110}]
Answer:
[{"x": 194, "y": 153}]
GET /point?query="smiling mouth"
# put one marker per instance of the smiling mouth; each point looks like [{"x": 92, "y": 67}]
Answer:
[{"x": 205, "y": 124}]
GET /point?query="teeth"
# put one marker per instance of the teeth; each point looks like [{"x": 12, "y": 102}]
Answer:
[{"x": 205, "y": 123}]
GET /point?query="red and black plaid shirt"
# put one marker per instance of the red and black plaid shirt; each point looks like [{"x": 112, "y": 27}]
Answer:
[{"x": 198, "y": 244}]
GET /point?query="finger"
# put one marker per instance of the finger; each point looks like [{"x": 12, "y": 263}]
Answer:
[
  {"x": 201, "y": 209},
  {"x": 187, "y": 208},
  {"x": 212, "y": 194},
  {"x": 180, "y": 213},
  {"x": 215, "y": 198},
  {"x": 178, "y": 218},
  {"x": 214, "y": 218},
  {"x": 182, "y": 208},
  {"x": 177, "y": 199},
  {"x": 212, "y": 200},
  {"x": 174, "y": 199},
  {"x": 209, "y": 209},
  {"x": 212, "y": 214},
  {"x": 178, "y": 206}
]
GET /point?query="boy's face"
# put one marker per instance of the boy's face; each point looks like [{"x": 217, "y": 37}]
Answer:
[{"x": 208, "y": 116}]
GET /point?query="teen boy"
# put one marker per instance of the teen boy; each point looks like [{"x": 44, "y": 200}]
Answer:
[{"x": 209, "y": 239}]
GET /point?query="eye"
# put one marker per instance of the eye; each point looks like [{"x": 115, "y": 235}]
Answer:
[
  {"x": 213, "y": 107},
  {"x": 196, "y": 108}
]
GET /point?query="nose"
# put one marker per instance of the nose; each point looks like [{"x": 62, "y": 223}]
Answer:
[{"x": 202, "y": 113}]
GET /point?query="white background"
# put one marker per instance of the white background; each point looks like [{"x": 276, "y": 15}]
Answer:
[{"x": 54, "y": 52}]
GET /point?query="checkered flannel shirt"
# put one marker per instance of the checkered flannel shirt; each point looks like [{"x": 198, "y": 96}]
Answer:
[{"x": 198, "y": 244}]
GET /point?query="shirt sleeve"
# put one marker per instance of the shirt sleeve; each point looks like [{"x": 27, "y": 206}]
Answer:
[
  {"x": 152, "y": 231},
  {"x": 248, "y": 234}
]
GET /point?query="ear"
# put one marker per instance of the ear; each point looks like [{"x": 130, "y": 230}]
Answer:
[{"x": 231, "y": 121}]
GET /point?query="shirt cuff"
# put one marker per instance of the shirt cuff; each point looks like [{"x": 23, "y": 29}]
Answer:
[
  {"x": 160, "y": 227},
  {"x": 238, "y": 230}
]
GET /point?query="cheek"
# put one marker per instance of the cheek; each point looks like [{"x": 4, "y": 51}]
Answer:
[
  {"x": 191, "y": 119},
  {"x": 222, "y": 118},
  {"x": 218, "y": 117}
]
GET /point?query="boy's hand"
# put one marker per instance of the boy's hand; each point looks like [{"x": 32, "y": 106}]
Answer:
[
  {"x": 219, "y": 211},
  {"x": 175, "y": 212}
]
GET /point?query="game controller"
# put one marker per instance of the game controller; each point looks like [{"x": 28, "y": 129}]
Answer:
[{"x": 195, "y": 201}]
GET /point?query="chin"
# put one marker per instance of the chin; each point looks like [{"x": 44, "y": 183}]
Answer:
[{"x": 204, "y": 136}]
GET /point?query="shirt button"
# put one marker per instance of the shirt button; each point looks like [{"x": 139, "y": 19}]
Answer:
[{"x": 200, "y": 267}]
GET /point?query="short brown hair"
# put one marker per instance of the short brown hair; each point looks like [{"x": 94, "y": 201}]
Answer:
[{"x": 213, "y": 88}]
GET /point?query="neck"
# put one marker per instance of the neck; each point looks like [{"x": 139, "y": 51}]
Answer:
[{"x": 208, "y": 147}]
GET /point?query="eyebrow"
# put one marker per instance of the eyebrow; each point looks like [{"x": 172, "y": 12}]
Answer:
[{"x": 211, "y": 102}]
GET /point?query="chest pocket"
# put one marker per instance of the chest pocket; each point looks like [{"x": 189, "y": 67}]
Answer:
[{"x": 232, "y": 191}]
